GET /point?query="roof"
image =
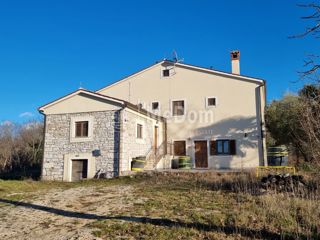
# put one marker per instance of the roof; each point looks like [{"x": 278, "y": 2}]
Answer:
[
  {"x": 124, "y": 104},
  {"x": 190, "y": 66}
]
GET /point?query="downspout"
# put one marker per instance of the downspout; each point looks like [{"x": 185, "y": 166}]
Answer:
[
  {"x": 44, "y": 140},
  {"x": 119, "y": 148},
  {"x": 262, "y": 122}
]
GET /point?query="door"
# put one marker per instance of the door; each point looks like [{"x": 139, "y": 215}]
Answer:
[
  {"x": 155, "y": 138},
  {"x": 79, "y": 169},
  {"x": 201, "y": 154}
]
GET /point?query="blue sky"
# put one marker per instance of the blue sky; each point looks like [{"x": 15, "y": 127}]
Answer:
[{"x": 48, "y": 47}]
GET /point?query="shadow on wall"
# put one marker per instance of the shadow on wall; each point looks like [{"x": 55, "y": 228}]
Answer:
[
  {"x": 164, "y": 222},
  {"x": 242, "y": 129}
]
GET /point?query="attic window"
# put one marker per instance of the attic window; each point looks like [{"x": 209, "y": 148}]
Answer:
[
  {"x": 166, "y": 73},
  {"x": 211, "y": 101},
  {"x": 155, "y": 106}
]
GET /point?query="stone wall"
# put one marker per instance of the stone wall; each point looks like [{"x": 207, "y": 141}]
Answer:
[
  {"x": 131, "y": 146},
  {"x": 57, "y": 142}
]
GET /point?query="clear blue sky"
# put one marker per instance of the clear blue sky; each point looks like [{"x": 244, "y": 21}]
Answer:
[{"x": 48, "y": 47}]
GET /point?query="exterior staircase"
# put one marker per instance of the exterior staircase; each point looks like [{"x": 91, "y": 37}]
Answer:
[{"x": 156, "y": 154}]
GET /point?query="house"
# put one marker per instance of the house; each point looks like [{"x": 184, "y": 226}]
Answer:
[{"x": 166, "y": 110}]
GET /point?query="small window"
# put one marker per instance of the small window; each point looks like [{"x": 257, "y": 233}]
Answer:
[
  {"x": 178, "y": 108},
  {"x": 223, "y": 147},
  {"x": 166, "y": 73},
  {"x": 139, "y": 131},
  {"x": 82, "y": 129},
  {"x": 155, "y": 106},
  {"x": 179, "y": 148},
  {"x": 211, "y": 101}
]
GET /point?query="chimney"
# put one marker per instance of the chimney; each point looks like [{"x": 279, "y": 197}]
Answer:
[{"x": 235, "y": 62}]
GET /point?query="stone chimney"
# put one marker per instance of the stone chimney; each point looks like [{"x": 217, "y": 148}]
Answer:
[{"x": 235, "y": 62}]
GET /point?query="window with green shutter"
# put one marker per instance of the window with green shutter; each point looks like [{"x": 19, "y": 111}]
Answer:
[{"x": 223, "y": 147}]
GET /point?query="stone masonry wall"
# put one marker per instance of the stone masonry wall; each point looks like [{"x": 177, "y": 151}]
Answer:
[
  {"x": 57, "y": 143},
  {"x": 131, "y": 146}
]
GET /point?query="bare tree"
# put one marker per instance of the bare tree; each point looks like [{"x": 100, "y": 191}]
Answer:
[
  {"x": 312, "y": 60},
  {"x": 7, "y": 145},
  {"x": 30, "y": 142},
  {"x": 310, "y": 124},
  {"x": 21, "y": 148}
]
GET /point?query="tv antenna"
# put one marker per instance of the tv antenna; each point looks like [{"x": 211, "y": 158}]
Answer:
[{"x": 176, "y": 58}]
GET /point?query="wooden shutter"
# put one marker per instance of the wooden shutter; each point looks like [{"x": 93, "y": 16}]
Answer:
[
  {"x": 213, "y": 148},
  {"x": 179, "y": 148},
  {"x": 82, "y": 129},
  {"x": 233, "y": 148},
  {"x": 78, "y": 129},
  {"x": 85, "y": 129}
]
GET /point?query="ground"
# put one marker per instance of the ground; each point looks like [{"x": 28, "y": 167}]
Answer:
[{"x": 157, "y": 206}]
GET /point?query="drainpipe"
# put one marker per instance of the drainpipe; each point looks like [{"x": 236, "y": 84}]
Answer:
[
  {"x": 262, "y": 123},
  {"x": 119, "y": 148},
  {"x": 44, "y": 140}
]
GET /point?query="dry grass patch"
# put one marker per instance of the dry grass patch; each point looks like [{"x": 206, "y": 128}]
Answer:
[{"x": 213, "y": 206}]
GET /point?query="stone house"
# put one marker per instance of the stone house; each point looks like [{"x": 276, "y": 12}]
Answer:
[
  {"x": 165, "y": 110},
  {"x": 88, "y": 133}
]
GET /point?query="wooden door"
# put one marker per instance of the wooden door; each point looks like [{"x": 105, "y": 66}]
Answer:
[
  {"x": 201, "y": 154},
  {"x": 79, "y": 169},
  {"x": 155, "y": 138}
]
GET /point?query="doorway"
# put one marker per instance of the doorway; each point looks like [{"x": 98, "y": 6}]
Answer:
[
  {"x": 79, "y": 169},
  {"x": 201, "y": 154}
]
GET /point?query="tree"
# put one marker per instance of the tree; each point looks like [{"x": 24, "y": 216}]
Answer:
[
  {"x": 283, "y": 124},
  {"x": 309, "y": 120},
  {"x": 312, "y": 61},
  {"x": 294, "y": 121},
  {"x": 7, "y": 144},
  {"x": 21, "y": 148}
]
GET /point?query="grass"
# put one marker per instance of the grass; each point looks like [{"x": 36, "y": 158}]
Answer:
[
  {"x": 208, "y": 206},
  {"x": 198, "y": 206},
  {"x": 28, "y": 189}
]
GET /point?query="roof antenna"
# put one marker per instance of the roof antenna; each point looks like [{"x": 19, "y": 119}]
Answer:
[
  {"x": 176, "y": 58},
  {"x": 80, "y": 85}
]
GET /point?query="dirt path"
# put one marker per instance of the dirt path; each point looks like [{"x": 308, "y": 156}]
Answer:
[{"x": 62, "y": 214}]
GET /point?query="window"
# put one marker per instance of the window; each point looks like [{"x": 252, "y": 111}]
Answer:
[
  {"x": 155, "y": 106},
  {"x": 179, "y": 148},
  {"x": 223, "y": 147},
  {"x": 139, "y": 131},
  {"x": 82, "y": 129},
  {"x": 166, "y": 73},
  {"x": 178, "y": 108},
  {"x": 211, "y": 102}
]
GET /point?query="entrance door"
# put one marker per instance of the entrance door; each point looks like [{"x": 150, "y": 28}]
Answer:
[
  {"x": 201, "y": 154},
  {"x": 155, "y": 138},
  {"x": 79, "y": 169}
]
